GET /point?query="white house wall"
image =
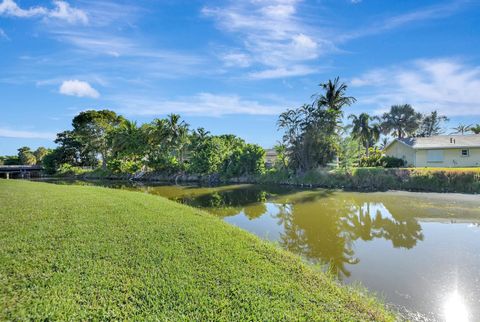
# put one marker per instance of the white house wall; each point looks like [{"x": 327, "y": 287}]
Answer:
[{"x": 452, "y": 158}]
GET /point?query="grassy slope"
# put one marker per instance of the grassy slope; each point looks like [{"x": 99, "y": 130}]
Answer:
[{"x": 95, "y": 253}]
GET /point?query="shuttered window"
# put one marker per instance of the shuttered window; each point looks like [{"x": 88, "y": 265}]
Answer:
[{"x": 435, "y": 156}]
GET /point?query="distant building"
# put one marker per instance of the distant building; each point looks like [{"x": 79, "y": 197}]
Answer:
[
  {"x": 270, "y": 157},
  {"x": 437, "y": 151}
]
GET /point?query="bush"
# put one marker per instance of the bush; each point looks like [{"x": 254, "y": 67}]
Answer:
[
  {"x": 124, "y": 166},
  {"x": 377, "y": 159},
  {"x": 392, "y": 162},
  {"x": 66, "y": 170}
]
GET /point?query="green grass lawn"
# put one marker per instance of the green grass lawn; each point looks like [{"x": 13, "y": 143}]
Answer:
[{"x": 92, "y": 253}]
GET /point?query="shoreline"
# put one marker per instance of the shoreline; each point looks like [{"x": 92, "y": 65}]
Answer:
[{"x": 434, "y": 195}]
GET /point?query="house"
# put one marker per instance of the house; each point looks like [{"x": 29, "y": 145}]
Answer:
[
  {"x": 270, "y": 158},
  {"x": 437, "y": 151}
]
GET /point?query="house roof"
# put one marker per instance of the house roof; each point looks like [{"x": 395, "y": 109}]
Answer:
[
  {"x": 271, "y": 152},
  {"x": 443, "y": 142}
]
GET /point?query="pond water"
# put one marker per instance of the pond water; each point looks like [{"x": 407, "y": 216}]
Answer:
[{"x": 419, "y": 251}]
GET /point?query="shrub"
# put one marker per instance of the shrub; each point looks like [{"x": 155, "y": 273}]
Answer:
[
  {"x": 392, "y": 162},
  {"x": 69, "y": 170},
  {"x": 124, "y": 166},
  {"x": 377, "y": 159}
]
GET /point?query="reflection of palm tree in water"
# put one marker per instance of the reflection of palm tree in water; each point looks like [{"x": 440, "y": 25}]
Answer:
[
  {"x": 367, "y": 224},
  {"x": 328, "y": 237},
  {"x": 320, "y": 240}
]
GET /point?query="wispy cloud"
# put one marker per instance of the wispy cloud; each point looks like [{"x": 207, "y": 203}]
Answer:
[
  {"x": 61, "y": 11},
  {"x": 447, "y": 85},
  {"x": 78, "y": 88},
  {"x": 392, "y": 22},
  {"x": 271, "y": 36},
  {"x": 201, "y": 104},
  {"x": 9, "y": 133},
  {"x": 3, "y": 34}
]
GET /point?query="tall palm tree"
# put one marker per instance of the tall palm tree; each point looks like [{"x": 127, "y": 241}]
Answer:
[
  {"x": 462, "y": 129},
  {"x": 334, "y": 96},
  {"x": 364, "y": 131},
  {"x": 401, "y": 121}
]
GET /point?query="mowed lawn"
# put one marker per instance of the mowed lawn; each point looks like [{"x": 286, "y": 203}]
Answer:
[{"x": 92, "y": 253}]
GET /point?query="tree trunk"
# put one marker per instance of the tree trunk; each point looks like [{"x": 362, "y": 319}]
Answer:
[{"x": 104, "y": 161}]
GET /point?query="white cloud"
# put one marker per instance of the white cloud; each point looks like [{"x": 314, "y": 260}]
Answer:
[
  {"x": 236, "y": 59},
  {"x": 271, "y": 35},
  {"x": 448, "y": 85},
  {"x": 423, "y": 14},
  {"x": 8, "y": 133},
  {"x": 282, "y": 72},
  {"x": 61, "y": 11},
  {"x": 205, "y": 104},
  {"x": 78, "y": 88},
  {"x": 3, "y": 34},
  {"x": 10, "y": 8}
]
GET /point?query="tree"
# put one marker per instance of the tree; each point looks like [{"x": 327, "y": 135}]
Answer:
[
  {"x": 401, "y": 121},
  {"x": 334, "y": 97},
  {"x": 26, "y": 156},
  {"x": 362, "y": 130},
  {"x": 431, "y": 124},
  {"x": 475, "y": 129},
  {"x": 462, "y": 129},
  {"x": 40, "y": 153},
  {"x": 282, "y": 158},
  {"x": 312, "y": 130},
  {"x": 384, "y": 143},
  {"x": 91, "y": 128},
  {"x": 348, "y": 153}
]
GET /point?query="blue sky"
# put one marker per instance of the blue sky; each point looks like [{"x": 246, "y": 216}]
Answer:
[{"x": 229, "y": 66}]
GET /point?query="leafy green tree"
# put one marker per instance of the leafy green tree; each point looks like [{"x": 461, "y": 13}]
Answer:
[
  {"x": 72, "y": 151},
  {"x": 364, "y": 131},
  {"x": 311, "y": 132},
  {"x": 282, "y": 158},
  {"x": 40, "y": 153},
  {"x": 401, "y": 121},
  {"x": 91, "y": 129},
  {"x": 462, "y": 129},
  {"x": 129, "y": 147},
  {"x": 431, "y": 124},
  {"x": 208, "y": 155},
  {"x": 26, "y": 156},
  {"x": 348, "y": 153},
  {"x": 246, "y": 160},
  {"x": 475, "y": 129}
]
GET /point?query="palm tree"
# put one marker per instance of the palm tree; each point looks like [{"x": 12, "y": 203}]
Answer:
[
  {"x": 367, "y": 133},
  {"x": 431, "y": 124},
  {"x": 475, "y": 129},
  {"x": 178, "y": 135},
  {"x": 334, "y": 96},
  {"x": 125, "y": 138},
  {"x": 401, "y": 121},
  {"x": 462, "y": 128},
  {"x": 384, "y": 143}
]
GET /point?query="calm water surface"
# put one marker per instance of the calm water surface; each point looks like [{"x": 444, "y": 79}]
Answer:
[{"x": 421, "y": 252}]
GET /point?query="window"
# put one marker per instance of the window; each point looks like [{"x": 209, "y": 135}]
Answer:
[
  {"x": 434, "y": 155},
  {"x": 465, "y": 152}
]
